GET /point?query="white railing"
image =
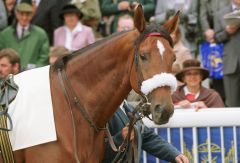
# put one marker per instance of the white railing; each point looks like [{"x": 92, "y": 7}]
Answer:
[{"x": 215, "y": 124}]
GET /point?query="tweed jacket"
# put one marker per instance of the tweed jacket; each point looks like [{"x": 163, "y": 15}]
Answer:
[
  {"x": 208, "y": 10},
  {"x": 231, "y": 55}
]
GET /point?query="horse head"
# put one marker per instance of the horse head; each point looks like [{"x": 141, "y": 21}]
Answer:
[{"x": 153, "y": 58}]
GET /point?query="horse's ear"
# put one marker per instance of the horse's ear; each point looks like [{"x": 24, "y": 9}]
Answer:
[
  {"x": 172, "y": 24},
  {"x": 139, "y": 20}
]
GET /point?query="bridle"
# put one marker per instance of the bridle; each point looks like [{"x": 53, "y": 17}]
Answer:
[
  {"x": 71, "y": 95},
  {"x": 141, "y": 110},
  {"x": 144, "y": 105}
]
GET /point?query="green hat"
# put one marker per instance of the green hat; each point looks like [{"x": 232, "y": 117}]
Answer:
[{"x": 24, "y": 7}]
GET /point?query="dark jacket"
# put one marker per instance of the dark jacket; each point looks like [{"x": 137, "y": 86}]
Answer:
[{"x": 148, "y": 140}]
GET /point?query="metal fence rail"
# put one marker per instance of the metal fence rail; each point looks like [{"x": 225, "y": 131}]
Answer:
[{"x": 207, "y": 136}]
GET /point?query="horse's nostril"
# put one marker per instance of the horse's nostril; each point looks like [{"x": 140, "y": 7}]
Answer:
[{"x": 158, "y": 109}]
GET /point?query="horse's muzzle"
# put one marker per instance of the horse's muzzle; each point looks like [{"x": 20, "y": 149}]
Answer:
[{"x": 161, "y": 114}]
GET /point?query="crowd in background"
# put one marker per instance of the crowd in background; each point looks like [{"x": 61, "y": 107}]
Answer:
[{"x": 34, "y": 33}]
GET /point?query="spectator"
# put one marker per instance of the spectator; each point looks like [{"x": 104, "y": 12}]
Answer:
[
  {"x": 125, "y": 22},
  {"x": 3, "y": 16},
  {"x": 208, "y": 10},
  {"x": 165, "y": 9},
  {"x": 91, "y": 12},
  {"x": 148, "y": 140},
  {"x": 57, "y": 52},
  {"x": 28, "y": 40},
  {"x": 116, "y": 8},
  {"x": 9, "y": 62},
  {"x": 10, "y": 9},
  {"x": 192, "y": 93},
  {"x": 45, "y": 15},
  {"x": 73, "y": 35},
  {"x": 230, "y": 36}
]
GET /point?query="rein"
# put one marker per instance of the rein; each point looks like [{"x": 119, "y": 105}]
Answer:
[
  {"x": 122, "y": 150},
  {"x": 65, "y": 83}
]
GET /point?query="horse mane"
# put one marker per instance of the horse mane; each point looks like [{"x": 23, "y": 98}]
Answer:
[
  {"x": 63, "y": 59},
  {"x": 153, "y": 27}
]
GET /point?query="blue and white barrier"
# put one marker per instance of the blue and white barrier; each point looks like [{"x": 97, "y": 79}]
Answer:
[{"x": 207, "y": 136}]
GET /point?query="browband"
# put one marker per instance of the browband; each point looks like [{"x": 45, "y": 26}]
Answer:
[
  {"x": 158, "y": 34},
  {"x": 154, "y": 34}
]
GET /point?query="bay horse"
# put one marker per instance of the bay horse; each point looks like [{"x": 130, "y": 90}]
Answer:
[{"x": 97, "y": 79}]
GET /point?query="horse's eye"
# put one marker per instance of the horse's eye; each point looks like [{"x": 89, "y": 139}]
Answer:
[
  {"x": 174, "y": 58},
  {"x": 143, "y": 56}
]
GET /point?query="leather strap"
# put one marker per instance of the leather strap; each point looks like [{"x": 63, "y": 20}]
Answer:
[
  {"x": 110, "y": 140},
  {"x": 64, "y": 81},
  {"x": 8, "y": 93},
  {"x": 73, "y": 119},
  {"x": 127, "y": 144}
]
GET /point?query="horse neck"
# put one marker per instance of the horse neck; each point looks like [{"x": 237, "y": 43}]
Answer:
[{"x": 102, "y": 76}]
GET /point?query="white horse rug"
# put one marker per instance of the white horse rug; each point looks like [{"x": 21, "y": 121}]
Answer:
[{"x": 31, "y": 111}]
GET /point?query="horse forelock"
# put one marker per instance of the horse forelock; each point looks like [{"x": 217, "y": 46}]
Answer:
[{"x": 154, "y": 28}]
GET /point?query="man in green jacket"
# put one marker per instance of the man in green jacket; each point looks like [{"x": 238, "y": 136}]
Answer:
[
  {"x": 30, "y": 41},
  {"x": 115, "y": 8}
]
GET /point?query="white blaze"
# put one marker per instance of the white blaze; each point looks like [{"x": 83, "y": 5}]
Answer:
[
  {"x": 160, "y": 47},
  {"x": 159, "y": 80}
]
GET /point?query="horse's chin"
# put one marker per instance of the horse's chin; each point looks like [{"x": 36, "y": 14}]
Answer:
[{"x": 160, "y": 122}]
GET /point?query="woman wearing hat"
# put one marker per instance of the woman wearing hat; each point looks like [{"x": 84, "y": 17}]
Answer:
[
  {"x": 73, "y": 35},
  {"x": 192, "y": 94}
]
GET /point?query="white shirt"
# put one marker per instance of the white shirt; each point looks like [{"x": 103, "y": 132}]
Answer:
[
  {"x": 186, "y": 91},
  {"x": 70, "y": 34},
  {"x": 121, "y": 107},
  {"x": 75, "y": 1},
  {"x": 235, "y": 7},
  {"x": 37, "y": 2},
  {"x": 20, "y": 30}
]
